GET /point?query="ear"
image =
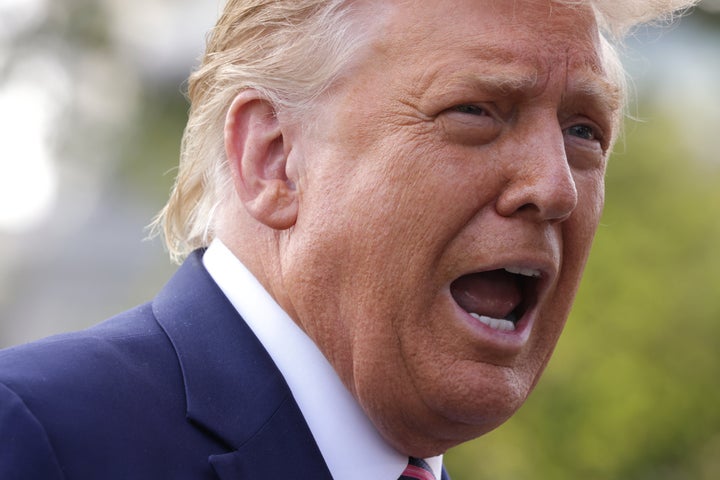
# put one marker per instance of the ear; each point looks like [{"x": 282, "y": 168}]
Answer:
[{"x": 257, "y": 156}]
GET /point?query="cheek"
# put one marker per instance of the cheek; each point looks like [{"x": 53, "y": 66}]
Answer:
[
  {"x": 577, "y": 235},
  {"x": 582, "y": 225},
  {"x": 351, "y": 273}
]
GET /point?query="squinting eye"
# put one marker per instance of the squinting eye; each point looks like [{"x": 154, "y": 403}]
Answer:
[
  {"x": 470, "y": 109},
  {"x": 582, "y": 131}
]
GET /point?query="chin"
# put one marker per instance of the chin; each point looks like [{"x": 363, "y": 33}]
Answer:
[
  {"x": 460, "y": 413},
  {"x": 486, "y": 405}
]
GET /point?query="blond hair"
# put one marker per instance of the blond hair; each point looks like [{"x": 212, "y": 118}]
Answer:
[{"x": 291, "y": 51}]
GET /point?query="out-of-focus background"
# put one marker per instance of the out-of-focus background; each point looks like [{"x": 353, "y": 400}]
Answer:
[{"x": 91, "y": 114}]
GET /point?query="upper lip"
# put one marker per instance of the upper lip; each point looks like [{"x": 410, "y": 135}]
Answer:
[{"x": 544, "y": 265}]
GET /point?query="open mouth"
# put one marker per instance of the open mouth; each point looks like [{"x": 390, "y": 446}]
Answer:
[{"x": 497, "y": 298}]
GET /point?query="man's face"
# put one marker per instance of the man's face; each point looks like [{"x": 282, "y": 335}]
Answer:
[{"x": 450, "y": 186}]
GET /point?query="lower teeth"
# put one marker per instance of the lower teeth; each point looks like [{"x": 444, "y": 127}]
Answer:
[{"x": 495, "y": 323}]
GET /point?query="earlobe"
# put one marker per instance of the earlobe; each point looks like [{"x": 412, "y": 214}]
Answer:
[{"x": 257, "y": 156}]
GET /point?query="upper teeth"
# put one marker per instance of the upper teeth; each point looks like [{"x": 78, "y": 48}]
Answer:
[{"x": 528, "y": 272}]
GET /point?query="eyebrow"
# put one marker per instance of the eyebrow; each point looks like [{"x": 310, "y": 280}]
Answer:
[
  {"x": 503, "y": 82},
  {"x": 603, "y": 93},
  {"x": 589, "y": 87}
]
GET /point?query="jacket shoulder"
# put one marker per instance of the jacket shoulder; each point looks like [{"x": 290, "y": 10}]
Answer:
[
  {"x": 84, "y": 355},
  {"x": 105, "y": 391}
]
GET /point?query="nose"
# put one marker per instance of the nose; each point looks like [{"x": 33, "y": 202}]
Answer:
[{"x": 541, "y": 186}]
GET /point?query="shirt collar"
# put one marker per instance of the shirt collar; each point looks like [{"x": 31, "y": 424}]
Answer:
[{"x": 351, "y": 446}]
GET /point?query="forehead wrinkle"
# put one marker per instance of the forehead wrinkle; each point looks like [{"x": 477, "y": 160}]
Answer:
[
  {"x": 484, "y": 64},
  {"x": 493, "y": 69}
]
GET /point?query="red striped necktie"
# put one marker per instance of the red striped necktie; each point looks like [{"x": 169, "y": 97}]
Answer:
[{"x": 417, "y": 469}]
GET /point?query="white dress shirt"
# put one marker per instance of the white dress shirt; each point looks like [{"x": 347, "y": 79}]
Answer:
[{"x": 351, "y": 446}]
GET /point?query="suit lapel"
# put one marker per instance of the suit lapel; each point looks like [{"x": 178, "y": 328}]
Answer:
[
  {"x": 233, "y": 389},
  {"x": 277, "y": 440}
]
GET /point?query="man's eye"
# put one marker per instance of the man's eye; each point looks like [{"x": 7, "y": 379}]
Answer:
[
  {"x": 585, "y": 132},
  {"x": 470, "y": 109}
]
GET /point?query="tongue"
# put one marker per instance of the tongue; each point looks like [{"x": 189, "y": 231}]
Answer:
[{"x": 494, "y": 294}]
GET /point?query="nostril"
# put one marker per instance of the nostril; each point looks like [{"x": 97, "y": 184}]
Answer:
[{"x": 529, "y": 207}]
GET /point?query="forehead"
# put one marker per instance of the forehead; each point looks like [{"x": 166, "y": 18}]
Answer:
[
  {"x": 452, "y": 20},
  {"x": 513, "y": 44}
]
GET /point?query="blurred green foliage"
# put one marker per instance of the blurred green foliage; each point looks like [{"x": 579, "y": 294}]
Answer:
[{"x": 633, "y": 389}]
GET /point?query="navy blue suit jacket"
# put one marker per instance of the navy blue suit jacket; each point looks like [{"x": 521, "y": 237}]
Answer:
[{"x": 179, "y": 388}]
